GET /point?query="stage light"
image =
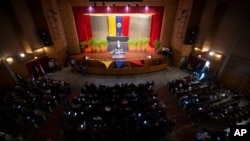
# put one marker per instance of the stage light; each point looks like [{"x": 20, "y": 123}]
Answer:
[
  {"x": 108, "y": 8},
  {"x": 146, "y": 7},
  {"x": 90, "y": 8},
  {"x": 127, "y": 8}
]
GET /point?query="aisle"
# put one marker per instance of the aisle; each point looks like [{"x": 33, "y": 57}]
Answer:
[
  {"x": 183, "y": 130},
  {"x": 50, "y": 129}
]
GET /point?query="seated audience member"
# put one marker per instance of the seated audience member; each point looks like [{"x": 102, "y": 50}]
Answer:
[{"x": 203, "y": 135}]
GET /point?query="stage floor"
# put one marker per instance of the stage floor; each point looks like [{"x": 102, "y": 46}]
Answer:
[{"x": 106, "y": 55}]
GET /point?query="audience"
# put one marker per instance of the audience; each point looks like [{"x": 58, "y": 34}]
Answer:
[
  {"x": 205, "y": 100},
  {"x": 25, "y": 108},
  {"x": 116, "y": 112}
]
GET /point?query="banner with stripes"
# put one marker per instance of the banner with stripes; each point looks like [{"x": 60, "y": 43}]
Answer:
[
  {"x": 112, "y": 25},
  {"x": 119, "y": 25},
  {"x": 107, "y": 63},
  {"x": 125, "y": 25},
  {"x": 119, "y": 64},
  {"x": 137, "y": 63}
]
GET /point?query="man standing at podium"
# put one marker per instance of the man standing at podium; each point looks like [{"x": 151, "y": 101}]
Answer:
[{"x": 118, "y": 49}]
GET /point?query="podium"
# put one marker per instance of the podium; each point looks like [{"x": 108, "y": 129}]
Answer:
[{"x": 112, "y": 42}]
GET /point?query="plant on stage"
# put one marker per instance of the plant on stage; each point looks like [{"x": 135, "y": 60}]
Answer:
[
  {"x": 104, "y": 44},
  {"x": 131, "y": 44},
  {"x": 82, "y": 45},
  {"x": 140, "y": 41},
  {"x": 136, "y": 44},
  {"x": 91, "y": 44},
  {"x": 99, "y": 46},
  {"x": 94, "y": 44},
  {"x": 145, "y": 42},
  {"x": 157, "y": 45}
]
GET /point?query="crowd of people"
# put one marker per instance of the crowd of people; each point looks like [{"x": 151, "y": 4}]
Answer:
[
  {"x": 24, "y": 110},
  {"x": 206, "y": 101},
  {"x": 119, "y": 112}
]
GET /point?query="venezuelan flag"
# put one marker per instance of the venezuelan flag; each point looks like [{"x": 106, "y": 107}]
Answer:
[
  {"x": 119, "y": 25},
  {"x": 112, "y": 25}
]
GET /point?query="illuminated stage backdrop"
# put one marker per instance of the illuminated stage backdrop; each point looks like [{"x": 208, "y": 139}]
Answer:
[{"x": 102, "y": 21}]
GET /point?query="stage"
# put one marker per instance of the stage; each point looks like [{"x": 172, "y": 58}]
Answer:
[
  {"x": 106, "y": 55},
  {"x": 135, "y": 62}
]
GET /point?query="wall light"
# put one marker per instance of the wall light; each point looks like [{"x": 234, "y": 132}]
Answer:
[
  {"x": 38, "y": 50},
  {"x": 9, "y": 59},
  {"x": 22, "y": 55},
  {"x": 218, "y": 55},
  {"x": 197, "y": 49},
  {"x": 211, "y": 53}
]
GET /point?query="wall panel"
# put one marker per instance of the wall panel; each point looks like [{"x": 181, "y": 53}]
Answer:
[
  {"x": 235, "y": 80},
  {"x": 6, "y": 80},
  {"x": 21, "y": 68}
]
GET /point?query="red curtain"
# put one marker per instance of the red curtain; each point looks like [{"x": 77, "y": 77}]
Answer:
[
  {"x": 125, "y": 23},
  {"x": 155, "y": 29},
  {"x": 83, "y": 25}
]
